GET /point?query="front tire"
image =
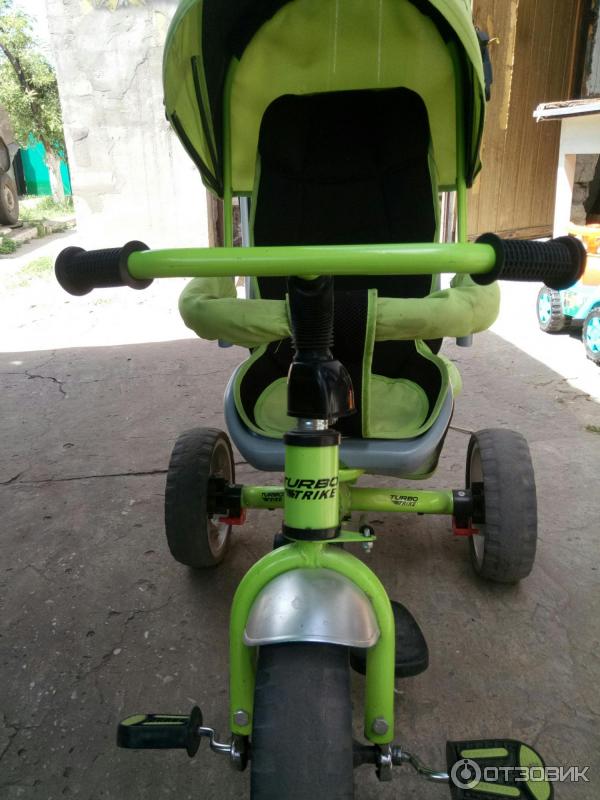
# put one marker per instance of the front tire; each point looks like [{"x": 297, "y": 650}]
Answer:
[
  {"x": 499, "y": 465},
  {"x": 302, "y": 729}
]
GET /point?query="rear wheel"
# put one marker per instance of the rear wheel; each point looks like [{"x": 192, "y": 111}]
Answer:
[
  {"x": 197, "y": 537},
  {"x": 591, "y": 335},
  {"x": 9, "y": 201},
  {"x": 499, "y": 468},
  {"x": 302, "y": 729},
  {"x": 550, "y": 311}
]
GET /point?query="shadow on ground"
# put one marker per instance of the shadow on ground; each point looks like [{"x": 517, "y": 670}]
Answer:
[{"x": 98, "y": 621}]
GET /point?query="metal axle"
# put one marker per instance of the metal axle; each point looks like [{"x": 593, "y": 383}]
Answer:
[
  {"x": 385, "y": 757},
  {"x": 400, "y": 756},
  {"x": 237, "y": 749}
]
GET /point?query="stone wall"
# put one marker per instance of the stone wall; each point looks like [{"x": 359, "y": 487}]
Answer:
[
  {"x": 591, "y": 77},
  {"x": 131, "y": 177},
  {"x": 585, "y": 188}
]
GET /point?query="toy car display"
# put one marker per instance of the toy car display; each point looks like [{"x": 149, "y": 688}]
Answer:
[{"x": 578, "y": 306}]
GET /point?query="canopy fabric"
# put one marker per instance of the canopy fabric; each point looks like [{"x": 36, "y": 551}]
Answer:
[{"x": 307, "y": 46}]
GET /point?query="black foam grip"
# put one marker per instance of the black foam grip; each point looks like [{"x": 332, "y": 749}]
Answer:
[
  {"x": 79, "y": 271},
  {"x": 558, "y": 263}
]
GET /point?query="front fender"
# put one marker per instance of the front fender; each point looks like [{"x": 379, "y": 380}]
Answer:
[{"x": 312, "y": 605}]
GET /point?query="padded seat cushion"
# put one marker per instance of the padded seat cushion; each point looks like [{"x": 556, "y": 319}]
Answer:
[
  {"x": 346, "y": 168},
  {"x": 349, "y": 168},
  {"x": 400, "y": 408}
]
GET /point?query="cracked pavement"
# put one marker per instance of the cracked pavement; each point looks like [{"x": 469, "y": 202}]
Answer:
[{"x": 97, "y": 621}]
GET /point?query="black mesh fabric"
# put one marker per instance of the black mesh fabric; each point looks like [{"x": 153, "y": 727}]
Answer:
[
  {"x": 346, "y": 168},
  {"x": 350, "y": 331}
]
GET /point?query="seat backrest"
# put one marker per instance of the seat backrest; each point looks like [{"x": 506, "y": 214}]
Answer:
[
  {"x": 346, "y": 168},
  {"x": 350, "y": 167}
]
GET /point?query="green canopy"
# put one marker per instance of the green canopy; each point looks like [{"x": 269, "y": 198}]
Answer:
[{"x": 278, "y": 47}]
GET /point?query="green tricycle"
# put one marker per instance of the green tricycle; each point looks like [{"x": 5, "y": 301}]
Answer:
[{"x": 335, "y": 126}]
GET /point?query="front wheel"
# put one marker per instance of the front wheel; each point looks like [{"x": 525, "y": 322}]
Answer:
[{"x": 302, "y": 729}]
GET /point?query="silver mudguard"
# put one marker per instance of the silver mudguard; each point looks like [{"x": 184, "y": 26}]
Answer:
[{"x": 312, "y": 605}]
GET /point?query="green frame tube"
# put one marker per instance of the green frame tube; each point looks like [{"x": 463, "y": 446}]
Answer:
[
  {"x": 416, "y": 501},
  {"x": 269, "y": 497},
  {"x": 386, "y": 259},
  {"x": 379, "y": 691},
  {"x": 461, "y": 155},
  {"x": 227, "y": 190},
  {"x": 359, "y": 498},
  {"x": 312, "y": 497}
]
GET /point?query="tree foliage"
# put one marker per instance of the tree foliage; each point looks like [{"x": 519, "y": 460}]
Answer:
[{"x": 28, "y": 87}]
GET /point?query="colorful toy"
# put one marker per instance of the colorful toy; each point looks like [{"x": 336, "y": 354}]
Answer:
[{"x": 578, "y": 306}]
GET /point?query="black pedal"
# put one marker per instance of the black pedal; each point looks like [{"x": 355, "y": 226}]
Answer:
[
  {"x": 495, "y": 769},
  {"x": 412, "y": 654},
  {"x": 161, "y": 732}
]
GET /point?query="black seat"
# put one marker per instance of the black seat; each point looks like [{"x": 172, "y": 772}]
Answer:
[{"x": 347, "y": 167}]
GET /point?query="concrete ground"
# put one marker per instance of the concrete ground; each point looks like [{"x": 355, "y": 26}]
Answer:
[{"x": 97, "y": 620}]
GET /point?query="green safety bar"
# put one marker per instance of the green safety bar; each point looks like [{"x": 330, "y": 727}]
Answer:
[{"x": 374, "y": 259}]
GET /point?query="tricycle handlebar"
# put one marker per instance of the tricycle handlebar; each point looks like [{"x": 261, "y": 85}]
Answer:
[
  {"x": 79, "y": 271},
  {"x": 558, "y": 263}
]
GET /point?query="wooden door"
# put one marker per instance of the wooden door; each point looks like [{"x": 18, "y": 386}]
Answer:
[{"x": 534, "y": 61}]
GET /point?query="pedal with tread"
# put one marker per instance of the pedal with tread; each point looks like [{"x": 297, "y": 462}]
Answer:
[
  {"x": 161, "y": 732},
  {"x": 468, "y": 760}
]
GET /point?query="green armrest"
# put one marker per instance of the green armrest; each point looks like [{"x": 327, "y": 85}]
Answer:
[{"x": 211, "y": 308}]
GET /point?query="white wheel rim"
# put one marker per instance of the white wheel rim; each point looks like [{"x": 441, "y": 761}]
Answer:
[
  {"x": 476, "y": 476},
  {"x": 220, "y": 467},
  {"x": 592, "y": 335},
  {"x": 545, "y": 307}
]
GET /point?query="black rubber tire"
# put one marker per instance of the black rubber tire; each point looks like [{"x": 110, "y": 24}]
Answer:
[
  {"x": 302, "y": 729},
  {"x": 9, "y": 201},
  {"x": 504, "y": 551},
  {"x": 4, "y": 156},
  {"x": 591, "y": 354},
  {"x": 194, "y": 538},
  {"x": 558, "y": 321}
]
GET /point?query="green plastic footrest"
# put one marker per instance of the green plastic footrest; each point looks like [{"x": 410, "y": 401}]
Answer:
[{"x": 496, "y": 769}]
